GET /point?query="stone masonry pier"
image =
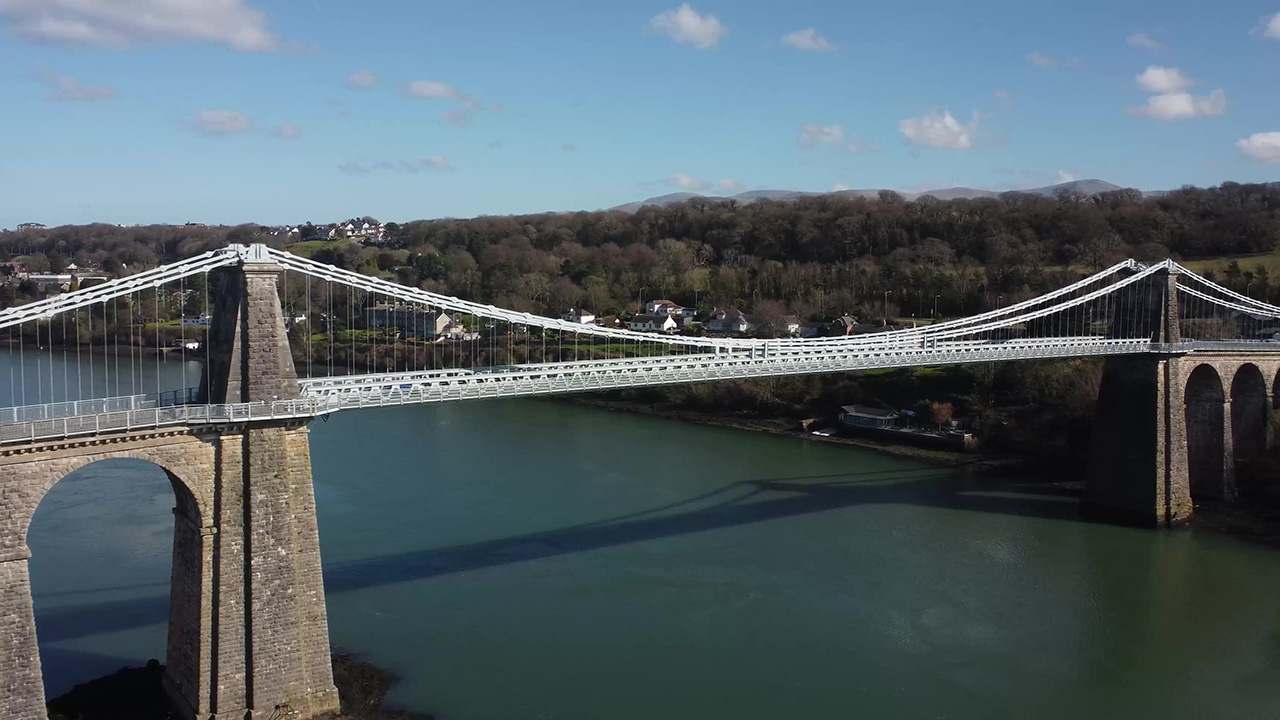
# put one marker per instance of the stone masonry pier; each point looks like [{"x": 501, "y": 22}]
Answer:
[{"x": 248, "y": 632}]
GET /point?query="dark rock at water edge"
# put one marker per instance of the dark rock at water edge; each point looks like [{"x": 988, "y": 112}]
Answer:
[{"x": 136, "y": 693}]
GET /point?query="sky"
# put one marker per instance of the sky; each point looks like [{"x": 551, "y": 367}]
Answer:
[{"x": 285, "y": 111}]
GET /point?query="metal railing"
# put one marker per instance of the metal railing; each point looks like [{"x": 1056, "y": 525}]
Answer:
[{"x": 328, "y": 395}]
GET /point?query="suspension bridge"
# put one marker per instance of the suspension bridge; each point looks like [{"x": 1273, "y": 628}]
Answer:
[
  {"x": 512, "y": 354},
  {"x": 104, "y": 372}
]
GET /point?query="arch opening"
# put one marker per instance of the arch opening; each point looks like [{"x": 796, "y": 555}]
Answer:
[
  {"x": 1204, "y": 399},
  {"x": 1249, "y": 415},
  {"x": 103, "y": 543}
]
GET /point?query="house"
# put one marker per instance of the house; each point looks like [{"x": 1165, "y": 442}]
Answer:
[
  {"x": 294, "y": 318},
  {"x": 197, "y": 321},
  {"x": 729, "y": 320},
  {"x": 416, "y": 321},
  {"x": 660, "y": 322},
  {"x": 812, "y": 330},
  {"x": 31, "y": 226},
  {"x": 579, "y": 316},
  {"x": 456, "y": 331},
  {"x": 789, "y": 325},
  {"x": 867, "y": 416},
  {"x": 45, "y": 281},
  {"x": 666, "y": 307}
]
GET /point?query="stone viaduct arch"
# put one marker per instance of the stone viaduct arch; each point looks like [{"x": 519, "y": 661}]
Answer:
[
  {"x": 1192, "y": 419},
  {"x": 30, "y": 473}
]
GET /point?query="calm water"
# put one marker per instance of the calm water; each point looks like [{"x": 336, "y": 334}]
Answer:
[{"x": 524, "y": 559}]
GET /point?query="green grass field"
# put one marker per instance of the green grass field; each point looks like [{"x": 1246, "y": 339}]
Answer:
[
  {"x": 1270, "y": 261},
  {"x": 310, "y": 247}
]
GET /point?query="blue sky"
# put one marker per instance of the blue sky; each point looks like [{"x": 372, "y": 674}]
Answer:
[{"x": 280, "y": 111}]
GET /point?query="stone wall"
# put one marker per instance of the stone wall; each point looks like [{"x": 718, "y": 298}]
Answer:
[{"x": 27, "y": 474}]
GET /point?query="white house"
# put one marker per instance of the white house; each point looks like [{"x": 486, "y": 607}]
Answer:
[
  {"x": 660, "y": 322},
  {"x": 729, "y": 320},
  {"x": 580, "y": 316},
  {"x": 662, "y": 307},
  {"x": 198, "y": 321}
]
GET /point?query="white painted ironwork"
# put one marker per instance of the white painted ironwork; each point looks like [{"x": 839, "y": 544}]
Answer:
[{"x": 975, "y": 339}]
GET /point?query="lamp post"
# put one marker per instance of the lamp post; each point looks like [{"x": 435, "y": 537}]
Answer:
[
  {"x": 886, "y": 306},
  {"x": 998, "y": 299},
  {"x": 935, "y": 306},
  {"x": 1246, "y": 289},
  {"x": 640, "y": 300}
]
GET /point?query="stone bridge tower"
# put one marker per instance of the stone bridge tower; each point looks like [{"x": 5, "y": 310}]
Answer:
[{"x": 248, "y": 632}]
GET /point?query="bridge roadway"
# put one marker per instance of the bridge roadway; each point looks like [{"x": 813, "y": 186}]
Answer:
[{"x": 331, "y": 394}]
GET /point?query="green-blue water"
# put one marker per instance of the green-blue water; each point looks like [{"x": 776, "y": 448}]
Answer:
[{"x": 525, "y": 559}]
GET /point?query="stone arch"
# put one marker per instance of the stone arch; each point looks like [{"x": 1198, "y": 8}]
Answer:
[
  {"x": 29, "y": 473},
  {"x": 1206, "y": 422},
  {"x": 68, "y": 549},
  {"x": 1249, "y": 414},
  {"x": 187, "y": 461}
]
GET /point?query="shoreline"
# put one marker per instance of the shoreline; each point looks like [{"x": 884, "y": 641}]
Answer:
[{"x": 782, "y": 427}]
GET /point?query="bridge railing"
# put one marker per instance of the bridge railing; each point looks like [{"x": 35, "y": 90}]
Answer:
[{"x": 55, "y": 411}]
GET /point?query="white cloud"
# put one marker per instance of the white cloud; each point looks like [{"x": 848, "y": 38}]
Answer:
[
  {"x": 434, "y": 90},
  {"x": 939, "y": 131},
  {"x": 1042, "y": 60},
  {"x": 841, "y": 187},
  {"x": 1002, "y": 94},
  {"x": 858, "y": 147},
  {"x": 221, "y": 122},
  {"x": 569, "y": 147},
  {"x": 1066, "y": 176},
  {"x": 412, "y": 167},
  {"x": 729, "y": 185},
  {"x": 1263, "y": 147},
  {"x": 65, "y": 87},
  {"x": 431, "y": 90},
  {"x": 1158, "y": 79},
  {"x": 288, "y": 132},
  {"x": 811, "y": 133},
  {"x": 1144, "y": 41},
  {"x": 435, "y": 162},
  {"x": 362, "y": 80},
  {"x": 687, "y": 182},
  {"x": 1182, "y": 105},
  {"x": 495, "y": 145},
  {"x": 687, "y": 27},
  {"x": 117, "y": 24},
  {"x": 809, "y": 39},
  {"x": 1270, "y": 27}
]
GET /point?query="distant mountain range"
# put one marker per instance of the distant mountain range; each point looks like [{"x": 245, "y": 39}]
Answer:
[{"x": 1088, "y": 187}]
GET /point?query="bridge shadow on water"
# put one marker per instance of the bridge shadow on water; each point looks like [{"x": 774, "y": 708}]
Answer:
[
  {"x": 739, "y": 503},
  {"x": 732, "y": 505}
]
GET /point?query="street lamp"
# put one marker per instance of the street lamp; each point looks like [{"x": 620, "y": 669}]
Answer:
[
  {"x": 998, "y": 299},
  {"x": 886, "y": 306},
  {"x": 935, "y": 306},
  {"x": 640, "y": 299},
  {"x": 1246, "y": 289}
]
